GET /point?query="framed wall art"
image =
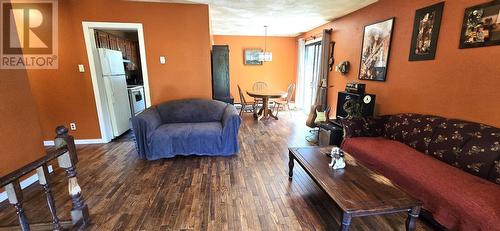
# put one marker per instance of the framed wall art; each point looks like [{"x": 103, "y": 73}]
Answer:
[
  {"x": 481, "y": 26},
  {"x": 425, "y": 32},
  {"x": 251, "y": 56},
  {"x": 375, "y": 50}
]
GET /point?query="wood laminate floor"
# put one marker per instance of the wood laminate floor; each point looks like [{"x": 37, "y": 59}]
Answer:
[{"x": 248, "y": 191}]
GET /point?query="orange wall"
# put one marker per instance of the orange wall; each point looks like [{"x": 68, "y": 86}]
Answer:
[
  {"x": 178, "y": 31},
  {"x": 459, "y": 83},
  {"x": 278, "y": 74},
  {"x": 21, "y": 135}
]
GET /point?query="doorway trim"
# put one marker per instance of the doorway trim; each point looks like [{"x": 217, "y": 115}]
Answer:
[{"x": 95, "y": 70}]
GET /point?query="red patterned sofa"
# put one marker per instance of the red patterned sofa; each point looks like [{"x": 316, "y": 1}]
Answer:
[{"x": 452, "y": 166}]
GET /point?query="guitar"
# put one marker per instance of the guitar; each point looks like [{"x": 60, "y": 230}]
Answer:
[{"x": 318, "y": 107}]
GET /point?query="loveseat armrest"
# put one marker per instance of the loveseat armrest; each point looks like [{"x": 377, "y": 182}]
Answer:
[
  {"x": 231, "y": 118},
  {"x": 143, "y": 126},
  {"x": 230, "y": 125},
  {"x": 364, "y": 126}
]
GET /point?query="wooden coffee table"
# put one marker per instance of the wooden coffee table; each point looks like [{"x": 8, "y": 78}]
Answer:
[{"x": 357, "y": 190}]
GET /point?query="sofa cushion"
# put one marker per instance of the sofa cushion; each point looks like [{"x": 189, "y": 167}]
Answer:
[
  {"x": 449, "y": 138},
  {"x": 363, "y": 126},
  {"x": 481, "y": 151},
  {"x": 495, "y": 172},
  {"x": 186, "y": 139},
  {"x": 415, "y": 130},
  {"x": 191, "y": 111},
  {"x": 457, "y": 200}
]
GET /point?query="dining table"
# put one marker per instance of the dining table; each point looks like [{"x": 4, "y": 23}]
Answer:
[{"x": 266, "y": 95}]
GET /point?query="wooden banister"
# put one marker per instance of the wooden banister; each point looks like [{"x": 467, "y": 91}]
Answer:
[{"x": 67, "y": 158}]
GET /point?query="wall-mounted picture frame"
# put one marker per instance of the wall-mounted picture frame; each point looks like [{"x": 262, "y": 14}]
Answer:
[
  {"x": 375, "y": 50},
  {"x": 425, "y": 32},
  {"x": 481, "y": 26},
  {"x": 251, "y": 56}
]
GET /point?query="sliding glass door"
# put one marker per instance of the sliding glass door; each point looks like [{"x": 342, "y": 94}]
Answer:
[{"x": 310, "y": 75}]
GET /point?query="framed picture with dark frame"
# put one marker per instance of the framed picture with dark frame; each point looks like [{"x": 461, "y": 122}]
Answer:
[
  {"x": 251, "y": 56},
  {"x": 481, "y": 26},
  {"x": 375, "y": 50},
  {"x": 426, "y": 32}
]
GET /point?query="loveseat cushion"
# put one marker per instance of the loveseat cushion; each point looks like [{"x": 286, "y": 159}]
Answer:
[
  {"x": 191, "y": 111},
  {"x": 457, "y": 200},
  {"x": 186, "y": 139}
]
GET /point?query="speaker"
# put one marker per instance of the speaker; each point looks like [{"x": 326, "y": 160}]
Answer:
[
  {"x": 367, "y": 100},
  {"x": 330, "y": 134}
]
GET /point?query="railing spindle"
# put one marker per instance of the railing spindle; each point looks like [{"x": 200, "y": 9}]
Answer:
[
  {"x": 80, "y": 211},
  {"x": 44, "y": 180},
  {"x": 15, "y": 196}
]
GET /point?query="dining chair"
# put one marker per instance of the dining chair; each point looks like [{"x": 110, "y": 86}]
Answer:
[
  {"x": 245, "y": 106},
  {"x": 259, "y": 86},
  {"x": 285, "y": 101}
]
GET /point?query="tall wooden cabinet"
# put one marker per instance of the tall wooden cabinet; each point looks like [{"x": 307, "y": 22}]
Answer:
[{"x": 220, "y": 74}]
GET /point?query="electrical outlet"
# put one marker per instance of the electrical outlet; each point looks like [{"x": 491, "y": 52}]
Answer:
[
  {"x": 81, "y": 68},
  {"x": 72, "y": 126}
]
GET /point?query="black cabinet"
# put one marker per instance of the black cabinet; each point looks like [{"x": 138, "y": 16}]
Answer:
[{"x": 220, "y": 74}]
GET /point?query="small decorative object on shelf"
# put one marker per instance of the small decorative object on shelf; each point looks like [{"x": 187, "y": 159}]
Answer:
[
  {"x": 337, "y": 158},
  {"x": 343, "y": 67}
]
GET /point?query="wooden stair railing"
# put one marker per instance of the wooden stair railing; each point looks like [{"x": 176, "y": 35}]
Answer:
[{"x": 67, "y": 158}]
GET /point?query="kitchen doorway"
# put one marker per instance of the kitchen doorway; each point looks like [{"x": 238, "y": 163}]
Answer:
[{"x": 111, "y": 69}]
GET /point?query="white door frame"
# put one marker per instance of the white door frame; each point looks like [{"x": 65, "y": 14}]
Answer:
[{"x": 95, "y": 70}]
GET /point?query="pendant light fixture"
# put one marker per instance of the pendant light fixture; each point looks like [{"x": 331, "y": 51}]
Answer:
[{"x": 265, "y": 56}]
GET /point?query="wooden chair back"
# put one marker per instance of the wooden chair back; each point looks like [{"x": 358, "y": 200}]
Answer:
[
  {"x": 259, "y": 86},
  {"x": 290, "y": 90},
  {"x": 242, "y": 96}
]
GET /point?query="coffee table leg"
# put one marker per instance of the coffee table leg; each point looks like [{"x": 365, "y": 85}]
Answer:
[
  {"x": 411, "y": 221},
  {"x": 346, "y": 222},
  {"x": 290, "y": 165}
]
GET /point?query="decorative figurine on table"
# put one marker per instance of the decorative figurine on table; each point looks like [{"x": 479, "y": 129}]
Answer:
[{"x": 337, "y": 158}]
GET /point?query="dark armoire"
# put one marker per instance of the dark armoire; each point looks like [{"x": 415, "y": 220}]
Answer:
[{"x": 220, "y": 74}]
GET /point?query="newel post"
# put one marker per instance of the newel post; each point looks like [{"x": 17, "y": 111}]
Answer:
[{"x": 80, "y": 211}]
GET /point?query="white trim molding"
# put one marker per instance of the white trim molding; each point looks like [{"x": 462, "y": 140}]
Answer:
[
  {"x": 100, "y": 98},
  {"x": 83, "y": 141},
  {"x": 25, "y": 183}
]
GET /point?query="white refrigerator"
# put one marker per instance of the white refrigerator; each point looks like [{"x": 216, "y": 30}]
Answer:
[{"x": 115, "y": 84}]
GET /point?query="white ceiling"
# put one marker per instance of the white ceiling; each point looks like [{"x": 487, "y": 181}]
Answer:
[{"x": 284, "y": 17}]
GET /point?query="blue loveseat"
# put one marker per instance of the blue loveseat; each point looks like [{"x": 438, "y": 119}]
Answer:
[{"x": 187, "y": 127}]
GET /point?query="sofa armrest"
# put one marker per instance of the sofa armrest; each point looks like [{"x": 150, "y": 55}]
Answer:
[
  {"x": 143, "y": 126},
  {"x": 364, "y": 126}
]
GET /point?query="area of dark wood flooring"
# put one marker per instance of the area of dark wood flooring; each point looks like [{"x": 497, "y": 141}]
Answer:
[{"x": 247, "y": 191}]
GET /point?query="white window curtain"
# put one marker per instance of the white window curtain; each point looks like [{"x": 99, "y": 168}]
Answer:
[
  {"x": 299, "y": 94},
  {"x": 321, "y": 93}
]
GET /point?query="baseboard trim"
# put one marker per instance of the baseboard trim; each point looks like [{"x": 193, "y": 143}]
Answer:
[
  {"x": 25, "y": 183},
  {"x": 83, "y": 141}
]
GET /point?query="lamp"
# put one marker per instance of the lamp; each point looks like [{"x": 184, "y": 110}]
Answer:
[{"x": 265, "y": 56}]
